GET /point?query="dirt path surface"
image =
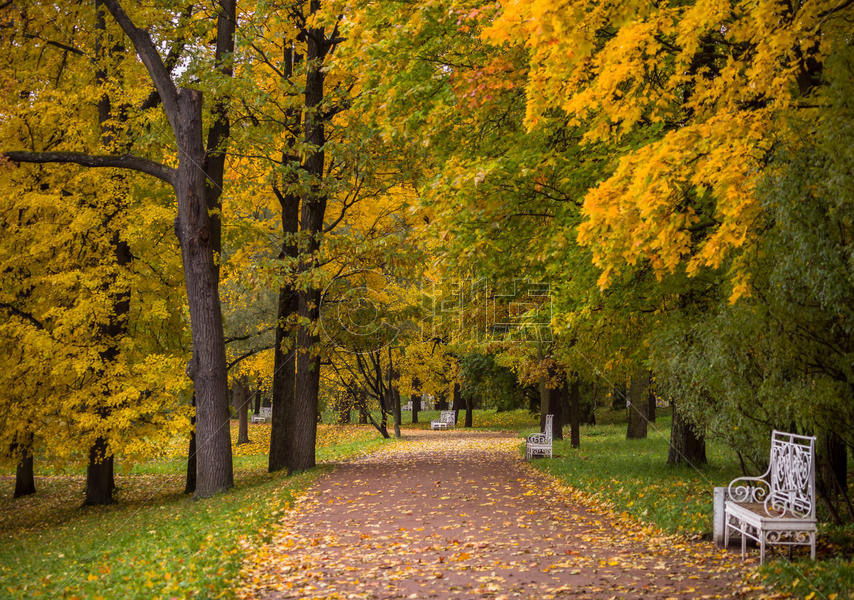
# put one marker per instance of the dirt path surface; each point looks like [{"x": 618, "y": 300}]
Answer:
[{"x": 454, "y": 514}]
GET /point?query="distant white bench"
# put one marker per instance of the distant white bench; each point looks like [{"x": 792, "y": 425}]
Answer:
[
  {"x": 540, "y": 444},
  {"x": 777, "y": 508},
  {"x": 265, "y": 415},
  {"x": 446, "y": 419}
]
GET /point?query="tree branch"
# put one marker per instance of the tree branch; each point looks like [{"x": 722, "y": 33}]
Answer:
[
  {"x": 149, "y": 56},
  {"x": 23, "y": 315},
  {"x": 125, "y": 161},
  {"x": 246, "y": 355}
]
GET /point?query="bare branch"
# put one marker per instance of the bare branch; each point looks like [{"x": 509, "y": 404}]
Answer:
[
  {"x": 149, "y": 56},
  {"x": 125, "y": 161}
]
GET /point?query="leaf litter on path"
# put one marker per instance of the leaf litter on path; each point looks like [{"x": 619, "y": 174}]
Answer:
[{"x": 460, "y": 515}]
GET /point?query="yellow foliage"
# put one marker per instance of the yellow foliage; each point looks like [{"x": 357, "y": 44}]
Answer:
[{"x": 693, "y": 95}]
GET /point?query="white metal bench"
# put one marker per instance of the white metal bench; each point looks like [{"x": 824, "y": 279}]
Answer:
[
  {"x": 446, "y": 419},
  {"x": 777, "y": 508},
  {"x": 265, "y": 415},
  {"x": 540, "y": 444}
]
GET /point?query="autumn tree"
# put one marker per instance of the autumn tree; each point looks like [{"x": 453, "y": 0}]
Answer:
[{"x": 197, "y": 182}]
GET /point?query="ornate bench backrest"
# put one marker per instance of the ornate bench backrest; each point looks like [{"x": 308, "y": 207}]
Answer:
[
  {"x": 266, "y": 412},
  {"x": 447, "y": 416},
  {"x": 547, "y": 428},
  {"x": 791, "y": 474}
]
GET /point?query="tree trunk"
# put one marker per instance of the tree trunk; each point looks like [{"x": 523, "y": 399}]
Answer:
[
  {"x": 574, "y": 421},
  {"x": 99, "y": 475},
  {"x": 395, "y": 394},
  {"x": 343, "y": 409},
  {"x": 416, "y": 407},
  {"x": 469, "y": 411},
  {"x": 256, "y": 405},
  {"x": 284, "y": 361},
  {"x": 241, "y": 404},
  {"x": 686, "y": 446},
  {"x": 284, "y": 371},
  {"x": 384, "y": 424},
  {"x": 457, "y": 402},
  {"x": 361, "y": 404},
  {"x": 545, "y": 395},
  {"x": 832, "y": 459},
  {"x": 650, "y": 410},
  {"x": 190, "y": 486},
  {"x": 303, "y": 421},
  {"x": 442, "y": 401},
  {"x": 589, "y": 402},
  {"x": 213, "y": 450},
  {"x": 587, "y": 405},
  {"x": 25, "y": 483},
  {"x": 619, "y": 396},
  {"x": 637, "y": 405},
  {"x": 302, "y": 418},
  {"x": 556, "y": 400}
]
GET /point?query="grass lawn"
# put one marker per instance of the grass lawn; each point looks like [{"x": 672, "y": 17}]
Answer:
[
  {"x": 632, "y": 476},
  {"x": 156, "y": 542}
]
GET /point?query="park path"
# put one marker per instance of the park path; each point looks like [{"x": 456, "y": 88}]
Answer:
[{"x": 457, "y": 514}]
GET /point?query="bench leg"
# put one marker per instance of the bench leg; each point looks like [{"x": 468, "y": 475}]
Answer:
[
  {"x": 743, "y": 546},
  {"x": 761, "y": 547},
  {"x": 726, "y": 532},
  {"x": 812, "y": 545}
]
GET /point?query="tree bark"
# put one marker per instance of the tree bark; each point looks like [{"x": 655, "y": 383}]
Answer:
[
  {"x": 395, "y": 394},
  {"x": 214, "y": 471},
  {"x": 99, "y": 475},
  {"x": 416, "y": 406},
  {"x": 457, "y": 402},
  {"x": 303, "y": 421},
  {"x": 686, "y": 446},
  {"x": 199, "y": 238},
  {"x": 637, "y": 405},
  {"x": 650, "y": 410},
  {"x": 556, "y": 400},
  {"x": 25, "y": 483},
  {"x": 574, "y": 412},
  {"x": 544, "y": 401},
  {"x": 284, "y": 358},
  {"x": 284, "y": 369},
  {"x": 469, "y": 411},
  {"x": 190, "y": 485},
  {"x": 241, "y": 404}
]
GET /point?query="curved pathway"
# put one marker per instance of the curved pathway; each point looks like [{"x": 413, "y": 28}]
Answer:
[{"x": 457, "y": 514}]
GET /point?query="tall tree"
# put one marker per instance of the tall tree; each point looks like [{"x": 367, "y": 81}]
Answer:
[{"x": 197, "y": 229}]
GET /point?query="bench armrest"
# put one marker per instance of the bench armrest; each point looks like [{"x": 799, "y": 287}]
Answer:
[{"x": 748, "y": 489}]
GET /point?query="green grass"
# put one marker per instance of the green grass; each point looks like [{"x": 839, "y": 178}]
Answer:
[
  {"x": 489, "y": 419},
  {"x": 155, "y": 543},
  {"x": 633, "y": 477}
]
